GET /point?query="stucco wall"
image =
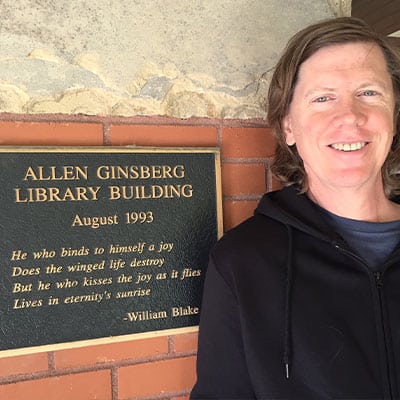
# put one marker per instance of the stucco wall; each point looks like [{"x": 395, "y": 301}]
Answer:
[{"x": 177, "y": 58}]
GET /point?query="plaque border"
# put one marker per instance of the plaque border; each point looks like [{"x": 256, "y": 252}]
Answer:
[{"x": 120, "y": 150}]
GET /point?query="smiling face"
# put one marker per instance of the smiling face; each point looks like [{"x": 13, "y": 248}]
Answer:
[{"x": 341, "y": 117}]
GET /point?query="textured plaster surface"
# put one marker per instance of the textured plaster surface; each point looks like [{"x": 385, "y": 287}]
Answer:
[{"x": 180, "y": 58}]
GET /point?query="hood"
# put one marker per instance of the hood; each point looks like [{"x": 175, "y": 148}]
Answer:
[{"x": 294, "y": 209}]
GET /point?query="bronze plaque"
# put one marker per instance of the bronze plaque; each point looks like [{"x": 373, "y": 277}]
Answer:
[{"x": 103, "y": 243}]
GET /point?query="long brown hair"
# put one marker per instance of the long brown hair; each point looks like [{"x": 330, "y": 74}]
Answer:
[{"x": 288, "y": 166}]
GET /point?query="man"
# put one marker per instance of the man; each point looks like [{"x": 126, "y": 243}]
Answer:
[{"x": 302, "y": 301}]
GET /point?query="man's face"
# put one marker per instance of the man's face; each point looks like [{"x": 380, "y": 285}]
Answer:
[{"x": 341, "y": 117}]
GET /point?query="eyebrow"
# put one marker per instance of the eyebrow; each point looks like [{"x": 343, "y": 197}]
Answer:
[
  {"x": 322, "y": 89},
  {"x": 318, "y": 90},
  {"x": 378, "y": 83}
]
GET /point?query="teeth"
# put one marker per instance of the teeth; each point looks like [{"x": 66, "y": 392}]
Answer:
[{"x": 348, "y": 146}]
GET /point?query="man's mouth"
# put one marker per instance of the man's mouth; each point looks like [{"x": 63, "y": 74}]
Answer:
[{"x": 348, "y": 146}]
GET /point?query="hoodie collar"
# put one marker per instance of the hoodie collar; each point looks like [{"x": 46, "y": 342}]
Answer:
[{"x": 295, "y": 209}]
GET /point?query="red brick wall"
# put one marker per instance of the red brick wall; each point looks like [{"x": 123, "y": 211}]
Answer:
[{"x": 156, "y": 368}]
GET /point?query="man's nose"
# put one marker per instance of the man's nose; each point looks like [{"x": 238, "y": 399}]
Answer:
[{"x": 350, "y": 112}]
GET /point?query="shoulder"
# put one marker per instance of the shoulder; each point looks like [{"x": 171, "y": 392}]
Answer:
[
  {"x": 251, "y": 257},
  {"x": 250, "y": 232},
  {"x": 255, "y": 239}
]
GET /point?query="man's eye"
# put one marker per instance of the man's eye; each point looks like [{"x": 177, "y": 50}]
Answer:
[
  {"x": 369, "y": 93},
  {"x": 321, "y": 99}
]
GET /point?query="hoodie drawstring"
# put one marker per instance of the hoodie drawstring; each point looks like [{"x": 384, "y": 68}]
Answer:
[{"x": 287, "y": 355}]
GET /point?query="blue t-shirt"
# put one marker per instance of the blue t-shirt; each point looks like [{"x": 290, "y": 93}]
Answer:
[{"x": 372, "y": 241}]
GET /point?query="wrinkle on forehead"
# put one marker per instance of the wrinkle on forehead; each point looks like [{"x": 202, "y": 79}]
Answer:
[
  {"x": 361, "y": 61},
  {"x": 329, "y": 59}
]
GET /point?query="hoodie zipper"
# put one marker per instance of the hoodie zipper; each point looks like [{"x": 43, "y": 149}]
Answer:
[
  {"x": 378, "y": 277},
  {"x": 379, "y": 285}
]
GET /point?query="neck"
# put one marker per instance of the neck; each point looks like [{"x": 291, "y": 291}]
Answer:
[{"x": 357, "y": 204}]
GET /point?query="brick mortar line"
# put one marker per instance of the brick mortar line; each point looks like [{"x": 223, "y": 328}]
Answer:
[
  {"x": 244, "y": 197},
  {"x": 106, "y": 134},
  {"x": 50, "y": 118},
  {"x": 114, "y": 383},
  {"x": 171, "y": 345},
  {"x": 219, "y": 136},
  {"x": 243, "y": 160},
  {"x": 142, "y": 120},
  {"x": 268, "y": 176},
  {"x": 51, "y": 361}
]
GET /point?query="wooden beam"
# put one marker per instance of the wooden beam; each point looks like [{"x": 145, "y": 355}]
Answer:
[
  {"x": 395, "y": 41},
  {"x": 383, "y": 15}
]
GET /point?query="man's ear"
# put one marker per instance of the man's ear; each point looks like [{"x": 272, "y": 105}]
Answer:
[{"x": 287, "y": 128}]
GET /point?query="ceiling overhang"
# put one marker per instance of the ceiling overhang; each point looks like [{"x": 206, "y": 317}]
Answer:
[{"x": 382, "y": 15}]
